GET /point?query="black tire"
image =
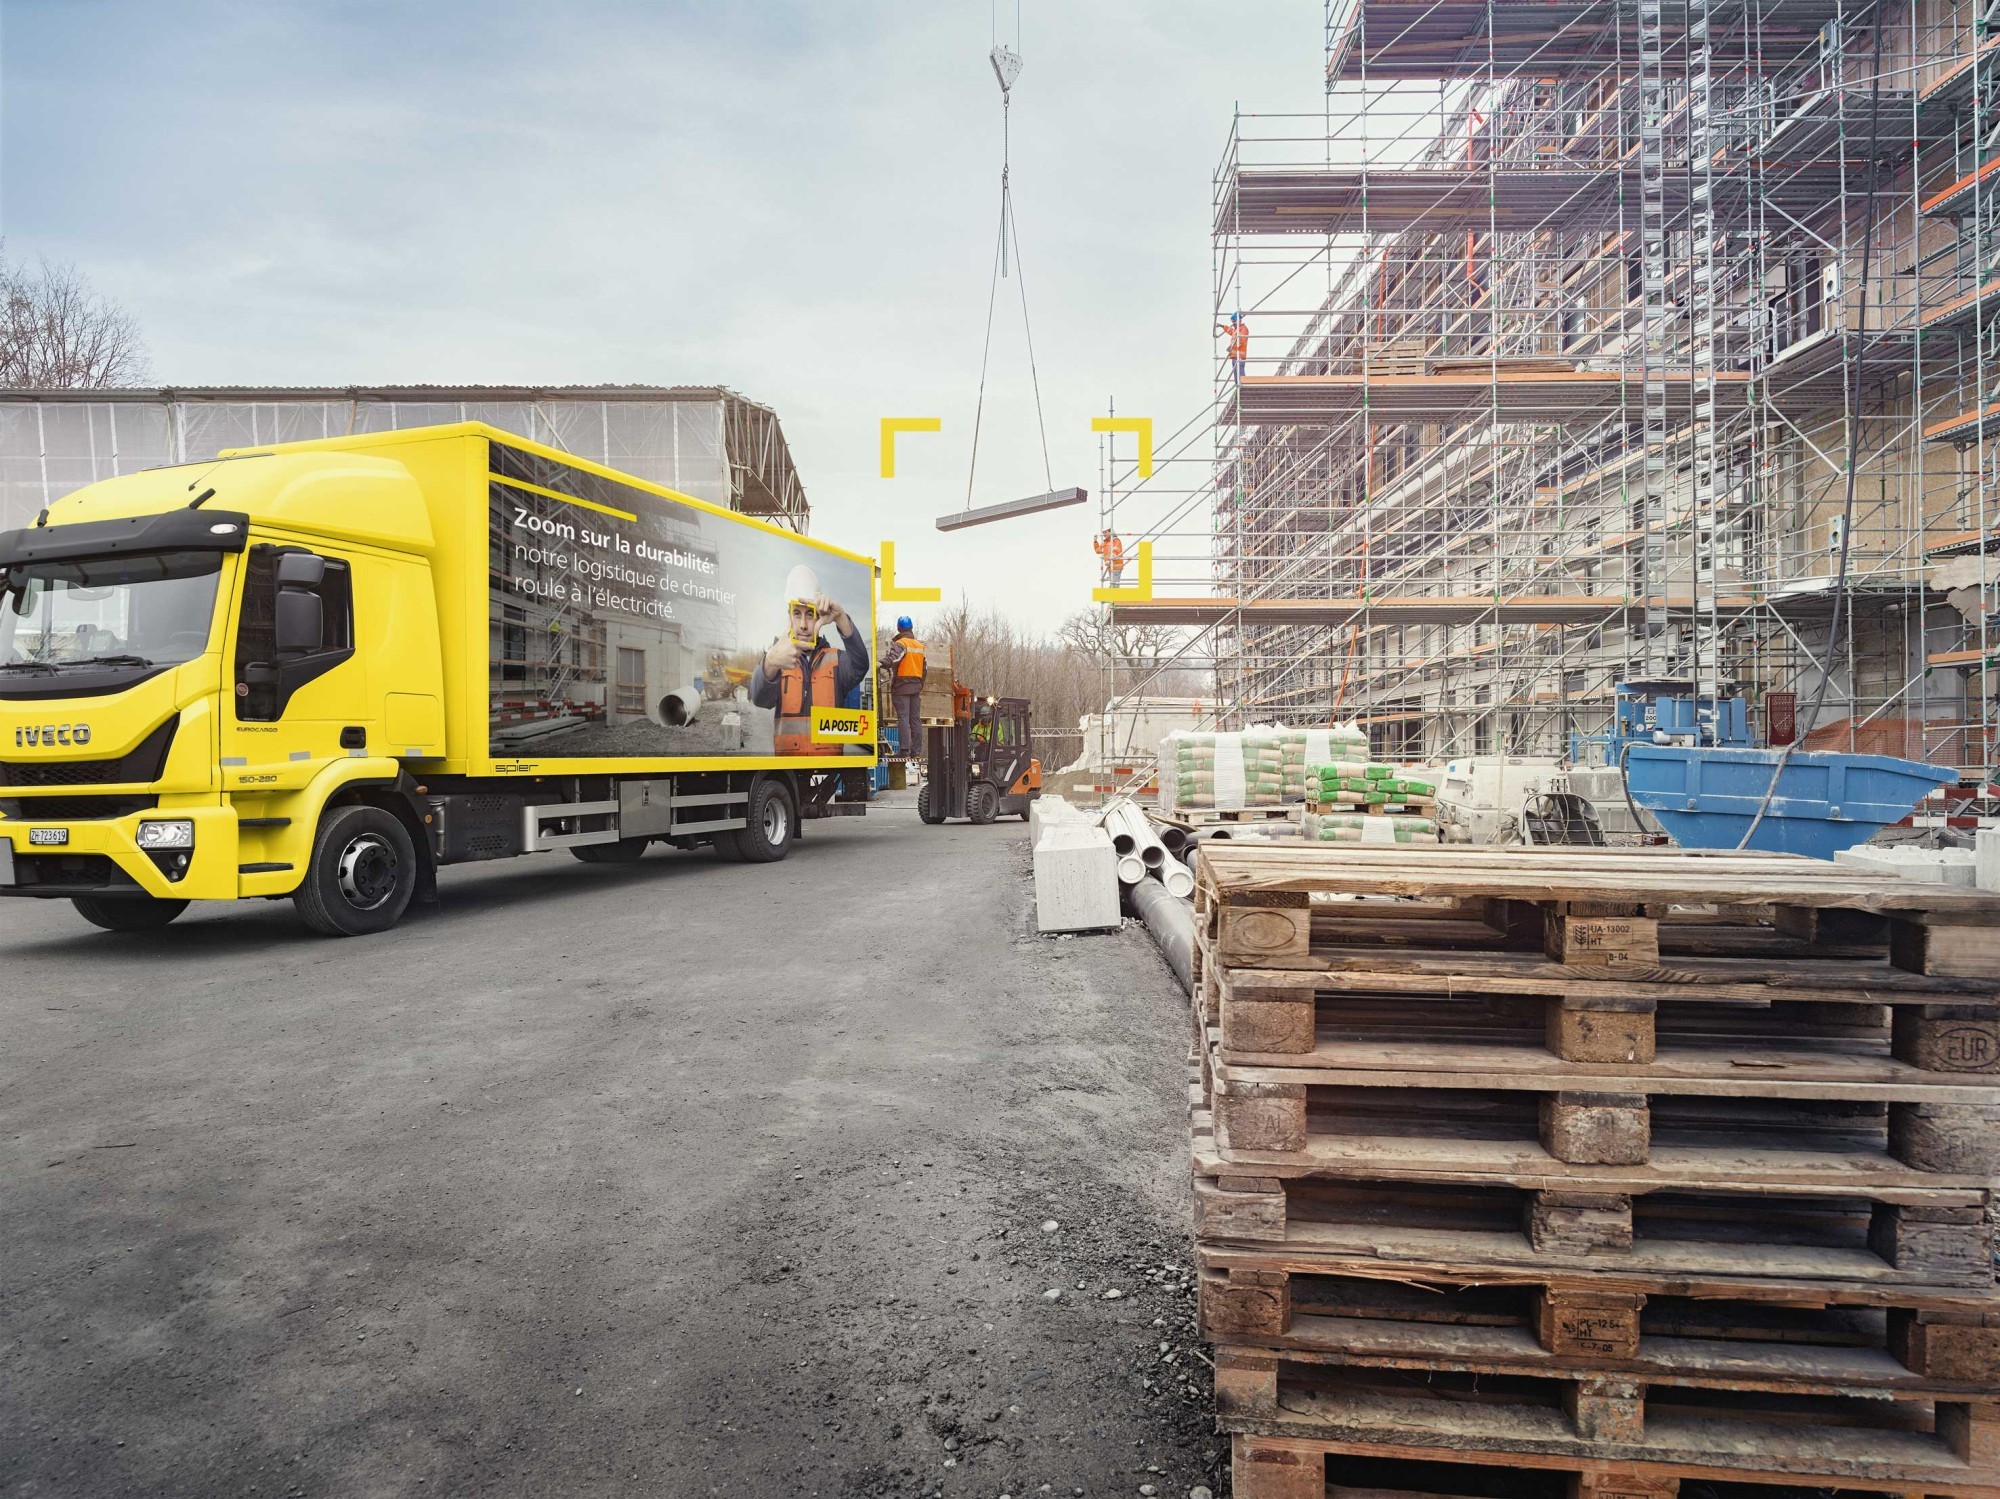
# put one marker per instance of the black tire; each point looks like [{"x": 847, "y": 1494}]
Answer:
[
  {"x": 1028, "y": 812},
  {"x": 127, "y": 913},
  {"x": 982, "y": 802},
  {"x": 773, "y": 823},
  {"x": 924, "y": 810},
  {"x": 363, "y": 872},
  {"x": 624, "y": 851},
  {"x": 727, "y": 848}
]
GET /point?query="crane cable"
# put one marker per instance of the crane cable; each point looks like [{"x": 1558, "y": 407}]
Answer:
[{"x": 1006, "y": 68}]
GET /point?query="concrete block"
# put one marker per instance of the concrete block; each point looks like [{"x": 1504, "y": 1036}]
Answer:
[
  {"x": 1986, "y": 859},
  {"x": 1076, "y": 879},
  {"x": 1939, "y": 866},
  {"x": 1044, "y": 811}
]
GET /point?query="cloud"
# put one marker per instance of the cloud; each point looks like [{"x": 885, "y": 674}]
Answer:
[{"x": 799, "y": 200}]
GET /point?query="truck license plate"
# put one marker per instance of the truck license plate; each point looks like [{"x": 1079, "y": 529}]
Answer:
[{"x": 48, "y": 837}]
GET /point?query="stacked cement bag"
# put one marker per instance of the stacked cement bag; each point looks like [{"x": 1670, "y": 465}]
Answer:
[
  {"x": 1223, "y": 770},
  {"x": 1263, "y": 766},
  {"x": 1366, "y": 801}
]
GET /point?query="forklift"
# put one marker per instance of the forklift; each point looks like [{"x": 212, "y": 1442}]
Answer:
[{"x": 979, "y": 765}]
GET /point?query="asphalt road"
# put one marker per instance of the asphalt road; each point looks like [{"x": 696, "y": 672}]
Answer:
[{"x": 677, "y": 1178}]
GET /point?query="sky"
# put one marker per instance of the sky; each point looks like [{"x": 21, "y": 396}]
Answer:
[{"x": 797, "y": 200}]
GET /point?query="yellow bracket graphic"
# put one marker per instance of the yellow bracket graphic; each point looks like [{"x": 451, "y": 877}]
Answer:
[
  {"x": 891, "y": 425},
  {"x": 1139, "y": 592},
  {"x": 891, "y": 594},
  {"x": 1141, "y": 426}
]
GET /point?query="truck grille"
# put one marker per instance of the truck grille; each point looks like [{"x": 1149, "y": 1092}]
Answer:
[
  {"x": 74, "y": 808},
  {"x": 143, "y": 764}
]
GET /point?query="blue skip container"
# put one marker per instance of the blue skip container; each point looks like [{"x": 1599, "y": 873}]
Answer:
[{"x": 1825, "y": 802}]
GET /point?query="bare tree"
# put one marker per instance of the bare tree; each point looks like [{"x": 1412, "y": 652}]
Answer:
[
  {"x": 58, "y": 332},
  {"x": 1140, "y": 648}
]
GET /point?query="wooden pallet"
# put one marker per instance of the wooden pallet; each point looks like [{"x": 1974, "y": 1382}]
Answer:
[
  {"x": 1290, "y": 1468},
  {"x": 1902, "y": 1342},
  {"x": 1248, "y": 1216},
  {"x": 1357, "y": 1454},
  {"x": 1839, "y": 1440},
  {"x": 1804, "y": 1114},
  {"x": 1583, "y": 1016}
]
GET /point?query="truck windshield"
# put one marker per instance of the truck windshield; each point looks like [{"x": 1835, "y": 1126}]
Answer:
[{"x": 149, "y": 609}]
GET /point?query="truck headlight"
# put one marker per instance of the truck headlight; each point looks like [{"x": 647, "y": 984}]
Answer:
[{"x": 155, "y": 835}]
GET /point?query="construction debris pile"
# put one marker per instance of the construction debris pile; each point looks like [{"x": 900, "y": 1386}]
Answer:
[{"x": 1604, "y": 1168}]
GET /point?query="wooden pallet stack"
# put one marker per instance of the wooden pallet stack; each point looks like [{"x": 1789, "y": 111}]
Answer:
[{"x": 1559, "y": 1173}]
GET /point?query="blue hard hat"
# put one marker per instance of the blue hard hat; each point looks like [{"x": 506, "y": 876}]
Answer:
[{"x": 903, "y": 622}]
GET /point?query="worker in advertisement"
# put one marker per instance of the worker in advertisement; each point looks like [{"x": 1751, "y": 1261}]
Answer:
[{"x": 800, "y": 671}]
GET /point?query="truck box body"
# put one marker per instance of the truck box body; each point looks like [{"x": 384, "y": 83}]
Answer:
[{"x": 491, "y": 624}]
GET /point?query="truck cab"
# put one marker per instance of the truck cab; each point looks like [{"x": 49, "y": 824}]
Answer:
[{"x": 193, "y": 663}]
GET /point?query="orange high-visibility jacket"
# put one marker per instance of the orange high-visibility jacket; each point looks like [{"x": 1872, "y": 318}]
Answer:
[
  {"x": 793, "y": 727},
  {"x": 912, "y": 662},
  {"x": 1111, "y": 547},
  {"x": 1239, "y": 340}
]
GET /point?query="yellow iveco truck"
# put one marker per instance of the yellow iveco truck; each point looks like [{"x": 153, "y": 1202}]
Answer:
[{"x": 325, "y": 669}]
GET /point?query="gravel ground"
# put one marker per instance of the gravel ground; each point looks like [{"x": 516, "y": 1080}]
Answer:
[{"x": 676, "y": 1178}]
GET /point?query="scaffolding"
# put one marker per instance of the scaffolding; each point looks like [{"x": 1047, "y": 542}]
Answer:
[{"x": 1604, "y": 340}]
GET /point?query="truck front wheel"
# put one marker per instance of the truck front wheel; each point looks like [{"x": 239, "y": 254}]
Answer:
[
  {"x": 772, "y": 821},
  {"x": 363, "y": 872},
  {"x": 127, "y": 913}
]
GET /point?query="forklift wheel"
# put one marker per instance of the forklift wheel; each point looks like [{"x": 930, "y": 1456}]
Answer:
[
  {"x": 924, "y": 805},
  {"x": 1028, "y": 813},
  {"x": 982, "y": 803}
]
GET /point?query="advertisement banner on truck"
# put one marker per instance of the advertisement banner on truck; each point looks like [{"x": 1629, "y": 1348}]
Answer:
[{"x": 624, "y": 623}]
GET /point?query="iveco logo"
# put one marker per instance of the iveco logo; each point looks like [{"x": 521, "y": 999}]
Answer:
[{"x": 52, "y": 734}]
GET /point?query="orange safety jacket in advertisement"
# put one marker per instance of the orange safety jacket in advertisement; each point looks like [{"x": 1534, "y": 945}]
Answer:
[
  {"x": 795, "y": 705},
  {"x": 911, "y": 663},
  {"x": 820, "y": 680}
]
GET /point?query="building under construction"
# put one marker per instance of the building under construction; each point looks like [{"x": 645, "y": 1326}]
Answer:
[{"x": 1609, "y": 340}]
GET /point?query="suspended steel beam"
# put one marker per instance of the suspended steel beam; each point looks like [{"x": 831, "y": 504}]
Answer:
[{"x": 1055, "y": 499}]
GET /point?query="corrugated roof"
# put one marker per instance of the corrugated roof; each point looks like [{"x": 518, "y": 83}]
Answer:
[{"x": 385, "y": 393}]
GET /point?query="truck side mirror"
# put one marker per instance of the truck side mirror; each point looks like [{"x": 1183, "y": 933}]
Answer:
[
  {"x": 300, "y": 570},
  {"x": 301, "y": 621}
]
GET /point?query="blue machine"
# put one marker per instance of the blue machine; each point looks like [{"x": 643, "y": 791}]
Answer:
[
  {"x": 1690, "y": 763},
  {"x": 891, "y": 735}
]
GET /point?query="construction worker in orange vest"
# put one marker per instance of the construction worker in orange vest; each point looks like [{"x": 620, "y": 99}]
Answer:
[
  {"x": 799, "y": 672},
  {"x": 904, "y": 660},
  {"x": 1110, "y": 549},
  {"x": 1239, "y": 341}
]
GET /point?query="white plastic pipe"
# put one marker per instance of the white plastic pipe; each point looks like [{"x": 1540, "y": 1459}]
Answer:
[
  {"x": 1177, "y": 877},
  {"x": 680, "y": 706},
  {"x": 1145, "y": 842}
]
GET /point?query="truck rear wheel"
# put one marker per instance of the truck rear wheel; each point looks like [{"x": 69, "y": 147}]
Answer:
[
  {"x": 363, "y": 872},
  {"x": 773, "y": 823},
  {"x": 127, "y": 913}
]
